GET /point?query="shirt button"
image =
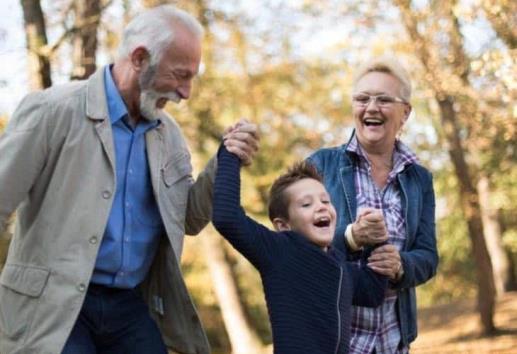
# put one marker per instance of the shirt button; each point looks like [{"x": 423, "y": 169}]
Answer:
[
  {"x": 106, "y": 194},
  {"x": 93, "y": 240},
  {"x": 81, "y": 287},
  {"x": 121, "y": 274},
  {"x": 130, "y": 171}
]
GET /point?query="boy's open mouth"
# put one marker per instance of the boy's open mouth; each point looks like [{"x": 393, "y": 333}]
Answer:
[{"x": 322, "y": 222}]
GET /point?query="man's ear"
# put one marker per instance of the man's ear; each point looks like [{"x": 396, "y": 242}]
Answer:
[
  {"x": 140, "y": 58},
  {"x": 281, "y": 224}
]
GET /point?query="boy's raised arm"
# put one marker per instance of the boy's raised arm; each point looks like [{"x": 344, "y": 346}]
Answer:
[{"x": 252, "y": 239}]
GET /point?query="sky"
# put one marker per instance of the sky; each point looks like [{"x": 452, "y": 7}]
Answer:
[
  {"x": 13, "y": 73},
  {"x": 312, "y": 37}
]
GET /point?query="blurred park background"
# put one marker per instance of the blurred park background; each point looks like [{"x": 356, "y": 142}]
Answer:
[{"x": 287, "y": 66}]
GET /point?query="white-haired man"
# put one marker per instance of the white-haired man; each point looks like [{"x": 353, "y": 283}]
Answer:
[{"x": 101, "y": 177}]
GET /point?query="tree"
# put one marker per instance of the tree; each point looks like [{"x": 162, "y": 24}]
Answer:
[
  {"x": 84, "y": 41},
  {"x": 36, "y": 38},
  {"x": 447, "y": 70},
  {"x": 502, "y": 14},
  {"x": 243, "y": 338}
]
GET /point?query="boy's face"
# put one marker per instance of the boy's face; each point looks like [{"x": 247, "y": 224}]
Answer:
[{"x": 310, "y": 212}]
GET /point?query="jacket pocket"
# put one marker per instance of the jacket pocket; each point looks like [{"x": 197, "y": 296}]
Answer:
[
  {"x": 20, "y": 289},
  {"x": 177, "y": 168}
]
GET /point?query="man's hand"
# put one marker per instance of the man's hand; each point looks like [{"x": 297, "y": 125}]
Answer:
[
  {"x": 386, "y": 260},
  {"x": 242, "y": 140},
  {"x": 369, "y": 228}
]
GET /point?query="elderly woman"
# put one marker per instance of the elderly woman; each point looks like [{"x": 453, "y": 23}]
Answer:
[{"x": 380, "y": 191}]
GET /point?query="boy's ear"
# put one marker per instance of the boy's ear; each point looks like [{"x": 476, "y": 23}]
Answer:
[{"x": 281, "y": 225}]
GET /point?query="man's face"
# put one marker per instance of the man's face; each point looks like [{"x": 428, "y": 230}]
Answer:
[
  {"x": 311, "y": 212},
  {"x": 377, "y": 125},
  {"x": 171, "y": 78}
]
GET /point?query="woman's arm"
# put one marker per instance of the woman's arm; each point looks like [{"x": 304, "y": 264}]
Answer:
[{"x": 419, "y": 264}]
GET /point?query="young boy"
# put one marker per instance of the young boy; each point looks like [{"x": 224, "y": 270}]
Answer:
[{"x": 308, "y": 285}]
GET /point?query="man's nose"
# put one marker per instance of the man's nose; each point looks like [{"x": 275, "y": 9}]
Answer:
[{"x": 184, "y": 90}]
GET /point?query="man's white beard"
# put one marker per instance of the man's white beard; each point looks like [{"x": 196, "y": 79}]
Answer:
[{"x": 149, "y": 99}]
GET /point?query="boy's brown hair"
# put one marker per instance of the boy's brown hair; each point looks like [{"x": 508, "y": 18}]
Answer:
[{"x": 278, "y": 201}]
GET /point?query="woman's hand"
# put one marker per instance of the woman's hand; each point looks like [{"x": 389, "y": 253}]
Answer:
[
  {"x": 369, "y": 228},
  {"x": 386, "y": 260}
]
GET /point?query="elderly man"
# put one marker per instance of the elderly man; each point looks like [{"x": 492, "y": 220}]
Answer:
[{"x": 101, "y": 177}]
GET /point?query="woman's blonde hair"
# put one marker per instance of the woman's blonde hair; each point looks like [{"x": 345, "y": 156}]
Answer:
[{"x": 386, "y": 64}]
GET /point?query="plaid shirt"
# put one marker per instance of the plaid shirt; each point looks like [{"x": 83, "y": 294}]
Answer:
[{"x": 378, "y": 328}]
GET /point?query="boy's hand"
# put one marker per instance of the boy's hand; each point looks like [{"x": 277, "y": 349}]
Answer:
[
  {"x": 242, "y": 140},
  {"x": 386, "y": 260},
  {"x": 369, "y": 228}
]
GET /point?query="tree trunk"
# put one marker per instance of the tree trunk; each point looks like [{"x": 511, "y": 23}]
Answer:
[
  {"x": 472, "y": 211},
  {"x": 468, "y": 195},
  {"x": 242, "y": 337},
  {"x": 36, "y": 37},
  {"x": 87, "y": 19},
  {"x": 493, "y": 237}
]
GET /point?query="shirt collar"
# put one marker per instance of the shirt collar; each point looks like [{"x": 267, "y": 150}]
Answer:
[
  {"x": 402, "y": 155},
  {"x": 116, "y": 107}
]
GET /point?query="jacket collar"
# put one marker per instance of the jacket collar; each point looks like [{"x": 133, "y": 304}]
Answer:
[
  {"x": 96, "y": 104},
  {"x": 346, "y": 176}
]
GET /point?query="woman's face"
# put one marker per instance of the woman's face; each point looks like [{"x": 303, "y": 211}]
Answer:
[{"x": 377, "y": 121}]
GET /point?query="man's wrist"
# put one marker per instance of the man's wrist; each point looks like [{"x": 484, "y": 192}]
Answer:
[{"x": 350, "y": 239}]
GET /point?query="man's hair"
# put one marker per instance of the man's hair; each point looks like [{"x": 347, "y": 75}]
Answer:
[
  {"x": 154, "y": 29},
  {"x": 278, "y": 199},
  {"x": 389, "y": 65}
]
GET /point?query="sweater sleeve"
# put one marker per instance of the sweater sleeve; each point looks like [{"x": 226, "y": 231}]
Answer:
[
  {"x": 253, "y": 240},
  {"x": 369, "y": 286}
]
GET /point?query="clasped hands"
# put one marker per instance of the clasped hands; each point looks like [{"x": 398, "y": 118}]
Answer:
[
  {"x": 370, "y": 229},
  {"x": 242, "y": 140}
]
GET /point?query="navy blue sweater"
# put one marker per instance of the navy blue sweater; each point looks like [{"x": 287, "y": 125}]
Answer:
[{"x": 308, "y": 292}]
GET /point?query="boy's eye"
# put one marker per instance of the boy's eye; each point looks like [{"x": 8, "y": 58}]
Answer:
[
  {"x": 325, "y": 201},
  {"x": 306, "y": 205}
]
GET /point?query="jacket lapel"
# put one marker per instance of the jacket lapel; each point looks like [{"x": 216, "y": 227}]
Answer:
[
  {"x": 348, "y": 185},
  {"x": 103, "y": 129},
  {"x": 97, "y": 110}
]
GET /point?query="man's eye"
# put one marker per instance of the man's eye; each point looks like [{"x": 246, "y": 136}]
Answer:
[{"x": 182, "y": 76}]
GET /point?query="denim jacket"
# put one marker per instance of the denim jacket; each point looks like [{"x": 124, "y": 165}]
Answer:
[{"x": 419, "y": 255}]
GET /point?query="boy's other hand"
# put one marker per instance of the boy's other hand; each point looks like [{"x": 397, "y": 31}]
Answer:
[
  {"x": 369, "y": 227},
  {"x": 242, "y": 140}
]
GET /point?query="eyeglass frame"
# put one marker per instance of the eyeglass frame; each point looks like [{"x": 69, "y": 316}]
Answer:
[{"x": 375, "y": 98}]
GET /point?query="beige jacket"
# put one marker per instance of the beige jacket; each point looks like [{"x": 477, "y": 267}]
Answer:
[{"x": 57, "y": 167}]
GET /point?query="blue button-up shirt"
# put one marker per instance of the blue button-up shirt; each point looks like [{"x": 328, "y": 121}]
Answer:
[{"x": 134, "y": 225}]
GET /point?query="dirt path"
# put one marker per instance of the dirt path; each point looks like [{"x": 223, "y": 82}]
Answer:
[{"x": 453, "y": 328}]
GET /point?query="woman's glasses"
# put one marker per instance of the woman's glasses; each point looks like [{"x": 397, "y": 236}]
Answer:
[{"x": 363, "y": 100}]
